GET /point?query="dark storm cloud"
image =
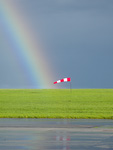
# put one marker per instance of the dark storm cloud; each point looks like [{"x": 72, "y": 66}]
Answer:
[
  {"x": 61, "y": 6},
  {"x": 77, "y": 35}
]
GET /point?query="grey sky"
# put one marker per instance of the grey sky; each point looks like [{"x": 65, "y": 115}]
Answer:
[{"x": 78, "y": 37}]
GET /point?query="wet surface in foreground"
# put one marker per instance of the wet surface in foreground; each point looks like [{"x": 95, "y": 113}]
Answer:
[{"x": 56, "y": 134}]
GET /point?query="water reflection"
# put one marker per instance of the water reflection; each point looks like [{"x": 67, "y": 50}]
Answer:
[
  {"x": 64, "y": 139},
  {"x": 55, "y": 137}
]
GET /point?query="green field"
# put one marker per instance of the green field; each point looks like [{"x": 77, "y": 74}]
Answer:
[{"x": 56, "y": 103}]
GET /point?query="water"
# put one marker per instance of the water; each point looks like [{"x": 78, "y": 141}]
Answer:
[{"x": 56, "y": 134}]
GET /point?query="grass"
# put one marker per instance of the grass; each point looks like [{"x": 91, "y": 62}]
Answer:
[{"x": 57, "y": 103}]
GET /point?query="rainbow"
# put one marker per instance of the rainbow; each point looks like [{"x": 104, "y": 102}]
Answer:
[{"x": 29, "y": 55}]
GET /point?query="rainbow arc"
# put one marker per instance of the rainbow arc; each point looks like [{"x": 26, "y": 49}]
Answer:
[{"x": 29, "y": 56}]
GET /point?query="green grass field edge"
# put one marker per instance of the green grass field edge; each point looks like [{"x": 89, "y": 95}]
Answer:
[{"x": 56, "y": 103}]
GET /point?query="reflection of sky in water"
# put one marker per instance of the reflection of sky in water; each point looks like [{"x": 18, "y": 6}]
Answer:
[
  {"x": 54, "y": 122},
  {"x": 12, "y": 140},
  {"x": 33, "y": 138},
  {"x": 54, "y": 140}
]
